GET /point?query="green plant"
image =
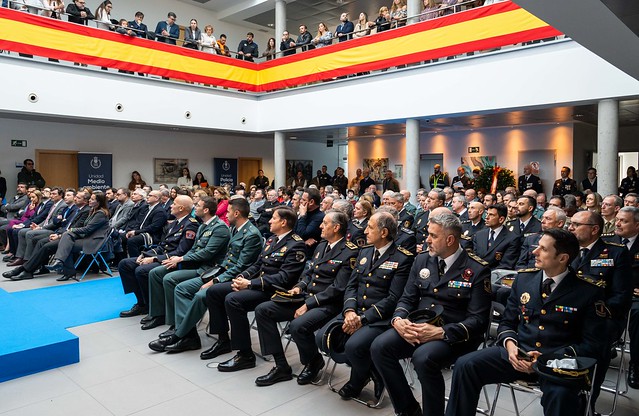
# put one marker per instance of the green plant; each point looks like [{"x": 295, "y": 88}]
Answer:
[{"x": 486, "y": 178}]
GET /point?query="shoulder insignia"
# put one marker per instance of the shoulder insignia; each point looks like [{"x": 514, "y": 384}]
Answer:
[
  {"x": 351, "y": 245},
  {"x": 531, "y": 270},
  {"x": 296, "y": 237},
  {"x": 477, "y": 259},
  {"x": 601, "y": 309},
  {"x": 465, "y": 222},
  {"x": 403, "y": 250},
  {"x": 596, "y": 282},
  {"x": 407, "y": 230},
  {"x": 366, "y": 246},
  {"x": 611, "y": 243},
  {"x": 465, "y": 237},
  {"x": 193, "y": 220}
]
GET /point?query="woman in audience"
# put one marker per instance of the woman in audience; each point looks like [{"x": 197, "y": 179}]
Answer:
[
  {"x": 324, "y": 36},
  {"x": 271, "y": 50},
  {"x": 430, "y": 11},
  {"x": 200, "y": 180},
  {"x": 500, "y": 196},
  {"x": 185, "y": 179},
  {"x": 446, "y": 7},
  {"x": 398, "y": 13},
  {"x": 363, "y": 211},
  {"x": 136, "y": 181},
  {"x": 36, "y": 199},
  {"x": 363, "y": 26},
  {"x": 173, "y": 193},
  {"x": 192, "y": 36},
  {"x": 207, "y": 40},
  {"x": 593, "y": 202},
  {"x": 54, "y": 8},
  {"x": 382, "y": 22},
  {"x": 222, "y": 198},
  {"x": 103, "y": 15}
]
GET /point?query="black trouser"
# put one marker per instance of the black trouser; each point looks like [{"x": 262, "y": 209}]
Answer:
[
  {"x": 614, "y": 331},
  {"x": 41, "y": 253},
  {"x": 633, "y": 334},
  {"x": 491, "y": 366},
  {"x": 135, "y": 278},
  {"x": 428, "y": 359}
]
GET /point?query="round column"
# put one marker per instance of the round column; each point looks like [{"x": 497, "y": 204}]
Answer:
[
  {"x": 411, "y": 170},
  {"x": 279, "y": 156},
  {"x": 280, "y": 21},
  {"x": 607, "y": 147}
]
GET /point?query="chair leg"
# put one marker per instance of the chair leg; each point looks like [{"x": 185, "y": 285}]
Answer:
[
  {"x": 495, "y": 397},
  {"x": 512, "y": 394}
]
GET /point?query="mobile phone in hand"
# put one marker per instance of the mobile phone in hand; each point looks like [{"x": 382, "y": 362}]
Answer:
[{"x": 523, "y": 355}]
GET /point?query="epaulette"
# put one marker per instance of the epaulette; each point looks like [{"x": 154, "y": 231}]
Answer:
[
  {"x": 366, "y": 246},
  {"x": 352, "y": 246},
  {"x": 478, "y": 259},
  {"x": 403, "y": 250},
  {"x": 466, "y": 222},
  {"x": 596, "y": 282},
  {"x": 530, "y": 270},
  {"x": 529, "y": 234},
  {"x": 612, "y": 243},
  {"x": 192, "y": 219},
  {"x": 357, "y": 225},
  {"x": 296, "y": 237},
  {"x": 465, "y": 237},
  {"x": 407, "y": 230}
]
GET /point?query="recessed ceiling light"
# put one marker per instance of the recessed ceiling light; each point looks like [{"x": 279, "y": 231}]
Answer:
[
  {"x": 271, "y": 25},
  {"x": 293, "y": 137}
]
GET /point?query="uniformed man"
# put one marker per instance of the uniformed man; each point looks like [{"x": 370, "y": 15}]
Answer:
[
  {"x": 444, "y": 275},
  {"x": 438, "y": 179},
  {"x": 380, "y": 274},
  {"x": 322, "y": 287},
  {"x": 629, "y": 184},
  {"x": 408, "y": 206},
  {"x": 461, "y": 178},
  {"x": 433, "y": 199},
  {"x": 397, "y": 201},
  {"x": 244, "y": 248},
  {"x": 564, "y": 185},
  {"x": 553, "y": 218},
  {"x": 607, "y": 264},
  {"x": 525, "y": 224},
  {"x": 496, "y": 244},
  {"x": 207, "y": 251},
  {"x": 405, "y": 236},
  {"x": 529, "y": 181},
  {"x": 610, "y": 206},
  {"x": 134, "y": 271},
  {"x": 280, "y": 264},
  {"x": 550, "y": 310},
  {"x": 474, "y": 224}
]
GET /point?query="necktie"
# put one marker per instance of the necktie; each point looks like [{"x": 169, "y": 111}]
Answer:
[
  {"x": 146, "y": 216},
  {"x": 521, "y": 226},
  {"x": 584, "y": 252},
  {"x": 234, "y": 231},
  {"x": 375, "y": 256},
  {"x": 545, "y": 287},
  {"x": 491, "y": 239},
  {"x": 328, "y": 248},
  {"x": 625, "y": 241},
  {"x": 53, "y": 208},
  {"x": 442, "y": 267}
]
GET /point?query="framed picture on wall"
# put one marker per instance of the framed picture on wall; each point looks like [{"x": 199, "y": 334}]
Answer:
[
  {"x": 470, "y": 162},
  {"x": 377, "y": 167},
  {"x": 168, "y": 170},
  {"x": 293, "y": 166}
]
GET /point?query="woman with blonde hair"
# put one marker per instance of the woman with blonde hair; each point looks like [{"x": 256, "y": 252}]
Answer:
[
  {"x": 324, "y": 36},
  {"x": 398, "y": 13},
  {"x": 382, "y": 22},
  {"x": 363, "y": 26},
  {"x": 207, "y": 40}
]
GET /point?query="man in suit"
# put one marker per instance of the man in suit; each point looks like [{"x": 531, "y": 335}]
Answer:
[
  {"x": 459, "y": 208},
  {"x": 112, "y": 201},
  {"x": 366, "y": 181},
  {"x": 462, "y": 178},
  {"x": 309, "y": 219},
  {"x": 244, "y": 248},
  {"x": 434, "y": 199},
  {"x": 280, "y": 264},
  {"x": 266, "y": 212},
  {"x": 340, "y": 182},
  {"x": 139, "y": 28},
  {"x": 496, "y": 244},
  {"x": 550, "y": 310},
  {"x": 445, "y": 275},
  {"x": 608, "y": 265},
  {"x": 389, "y": 183},
  {"x": 526, "y": 224},
  {"x": 474, "y": 224},
  {"x": 167, "y": 31},
  {"x": 123, "y": 211},
  {"x": 134, "y": 271},
  {"x": 40, "y": 214},
  {"x": 12, "y": 208},
  {"x": 529, "y": 181},
  {"x": 553, "y": 218},
  {"x": 564, "y": 185},
  {"x": 590, "y": 183},
  {"x": 438, "y": 179},
  {"x": 322, "y": 287},
  {"x": 207, "y": 251},
  {"x": 74, "y": 216},
  {"x": 150, "y": 229},
  {"x": 377, "y": 282}
]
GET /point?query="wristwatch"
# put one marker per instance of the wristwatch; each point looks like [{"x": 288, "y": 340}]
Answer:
[{"x": 363, "y": 319}]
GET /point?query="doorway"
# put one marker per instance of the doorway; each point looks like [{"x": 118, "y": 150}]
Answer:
[
  {"x": 58, "y": 167},
  {"x": 247, "y": 169},
  {"x": 427, "y": 164},
  {"x": 544, "y": 163}
]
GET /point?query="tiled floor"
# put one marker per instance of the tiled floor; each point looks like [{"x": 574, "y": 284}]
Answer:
[{"x": 119, "y": 375}]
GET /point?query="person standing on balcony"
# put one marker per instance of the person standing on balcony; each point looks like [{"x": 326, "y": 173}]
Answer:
[
  {"x": 138, "y": 27},
  {"x": 78, "y": 13},
  {"x": 167, "y": 31},
  {"x": 345, "y": 29},
  {"x": 247, "y": 50}
]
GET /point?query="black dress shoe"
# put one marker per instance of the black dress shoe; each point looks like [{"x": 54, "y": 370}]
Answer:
[
  {"x": 65, "y": 277},
  {"x": 378, "y": 384},
  {"x": 153, "y": 323},
  {"x": 237, "y": 363},
  {"x": 185, "y": 344},
  {"x": 41, "y": 270},
  {"x": 219, "y": 348},
  {"x": 12, "y": 273},
  {"x": 159, "y": 345},
  {"x": 57, "y": 266},
  {"x": 146, "y": 319},
  {"x": 8, "y": 258},
  {"x": 311, "y": 370},
  {"x": 136, "y": 310},
  {"x": 168, "y": 332},
  {"x": 413, "y": 410},
  {"x": 348, "y": 391},
  {"x": 276, "y": 375},
  {"x": 633, "y": 375},
  {"x": 25, "y": 275}
]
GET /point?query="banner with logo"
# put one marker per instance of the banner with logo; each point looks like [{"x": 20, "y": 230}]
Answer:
[
  {"x": 225, "y": 172},
  {"x": 95, "y": 170}
]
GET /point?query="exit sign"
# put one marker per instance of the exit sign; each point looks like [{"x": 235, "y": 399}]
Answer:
[
  {"x": 473, "y": 149},
  {"x": 18, "y": 143}
]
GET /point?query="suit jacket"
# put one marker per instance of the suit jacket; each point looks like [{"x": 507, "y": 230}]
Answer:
[
  {"x": 122, "y": 215},
  {"x": 570, "y": 321},
  {"x": 93, "y": 232},
  {"x": 325, "y": 281},
  {"x": 374, "y": 288},
  {"x": 243, "y": 251},
  {"x": 526, "y": 259},
  {"x": 365, "y": 183},
  {"x": 17, "y": 203},
  {"x": 533, "y": 182},
  {"x": 138, "y": 212},
  {"x": 464, "y": 292},
  {"x": 78, "y": 220},
  {"x": 280, "y": 263},
  {"x": 308, "y": 226},
  {"x": 209, "y": 246},
  {"x": 153, "y": 223},
  {"x": 41, "y": 213},
  {"x": 585, "y": 185},
  {"x": 174, "y": 32},
  {"x": 140, "y": 30},
  {"x": 62, "y": 221},
  {"x": 533, "y": 227},
  {"x": 55, "y": 211},
  {"x": 178, "y": 240},
  {"x": 503, "y": 253}
]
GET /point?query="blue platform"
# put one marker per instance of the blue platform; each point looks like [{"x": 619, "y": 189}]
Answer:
[{"x": 34, "y": 336}]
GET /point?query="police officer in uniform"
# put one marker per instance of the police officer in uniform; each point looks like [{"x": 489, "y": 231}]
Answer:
[
  {"x": 564, "y": 185},
  {"x": 208, "y": 250},
  {"x": 553, "y": 218},
  {"x": 525, "y": 224},
  {"x": 433, "y": 199},
  {"x": 322, "y": 287},
  {"x": 550, "y": 310},
  {"x": 446, "y": 276},
  {"x": 438, "y": 179},
  {"x": 529, "y": 181},
  {"x": 134, "y": 271},
  {"x": 474, "y": 224},
  {"x": 244, "y": 248},
  {"x": 496, "y": 244},
  {"x": 280, "y": 264},
  {"x": 380, "y": 274},
  {"x": 405, "y": 236}
]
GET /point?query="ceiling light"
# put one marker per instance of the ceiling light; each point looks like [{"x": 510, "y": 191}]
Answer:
[{"x": 271, "y": 25}]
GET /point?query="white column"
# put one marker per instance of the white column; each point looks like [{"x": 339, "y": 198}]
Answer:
[
  {"x": 607, "y": 147},
  {"x": 279, "y": 156},
  {"x": 411, "y": 169},
  {"x": 414, "y": 7},
  {"x": 280, "y": 20}
]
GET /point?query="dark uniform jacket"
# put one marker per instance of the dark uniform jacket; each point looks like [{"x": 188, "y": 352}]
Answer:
[
  {"x": 464, "y": 291},
  {"x": 243, "y": 250},
  {"x": 325, "y": 281},
  {"x": 570, "y": 321},
  {"x": 628, "y": 185},
  {"x": 279, "y": 263},
  {"x": 209, "y": 246},
  {"x": 178, "y": 240},
  {"x": 374, "y": 289},
  {"x": 608, "y": 266},
  {"x": 634, "y": 258},
  {"x": 468, "y": 231},
  {"x": 406, "y": 239},
  {"x": 503, "y": 253},
  {"x": 564, "y": 187},
  {"x": 308, "y": 226},
  {"x": 533, "y": 182},
  {"x": 438, "y": 181},
  {"x": 420, "y": 226},
  {"x": 526, "y": 259},
  {"x": 355, "y": 232},
  {"x": 533, "y": 227},
  {"x": 406, "y": 219}
]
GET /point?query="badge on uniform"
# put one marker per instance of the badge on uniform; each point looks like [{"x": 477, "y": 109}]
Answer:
[
  {"x": 525, "y": 298},
  {"x": 457, "y": 284},
  {"x": 190, "y": 235},
  {"x": 363, "y": 261},
  {"x": 468, "y": 273},
  {"x": 353, "y": 262},
  {"x": 389, "y": 265},
  {"x": 498, "y": 256},
  {"x": 424, "y": 273},
  {"x": 207, "y": 233},
  {"x": 466, "y": 232},
  {"x": 334, "y": 262},
  {"x": 300, "y": 256},
  {"x": 602, "y": 263},
  {"x": 566, "y": 309},
  {"x": 407, "y": 224},
  {"x": 600, "y": 309}
]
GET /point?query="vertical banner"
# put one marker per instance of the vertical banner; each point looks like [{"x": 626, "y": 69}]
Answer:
[
  {"x": 225, "y": 172},
  {"x": 95, "y": 170}
]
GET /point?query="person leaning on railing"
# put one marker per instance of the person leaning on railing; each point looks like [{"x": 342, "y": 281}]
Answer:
[
  {"x": 53, "y": 8},
  {"x": 78, "y": 13},
  {"x": 324, "y": 37},
  {"x": 363, "y": 26},
  {"x": 222, "y": 49},
  {"x": 192, "y": 36},
  {"x": 207, "y": 40}
]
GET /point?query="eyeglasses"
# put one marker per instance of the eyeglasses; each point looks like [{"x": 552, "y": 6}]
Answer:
[{"x": 578, "y": 224}]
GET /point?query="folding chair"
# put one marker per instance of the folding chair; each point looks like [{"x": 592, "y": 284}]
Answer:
[
  {"x": 620, "y": 346},
  {"x": 97, "y": 257}
]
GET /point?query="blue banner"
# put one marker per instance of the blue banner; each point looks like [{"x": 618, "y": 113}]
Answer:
[
  {"x": 95, "y": 170},
  {"x": 225, "y": 172}
]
